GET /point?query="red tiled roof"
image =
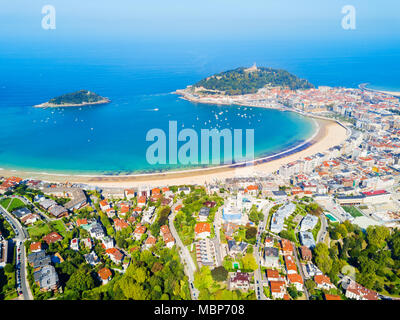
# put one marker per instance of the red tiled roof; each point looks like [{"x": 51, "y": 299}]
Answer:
[
  {"x": 202, "y": 227},
  {"x": 104, "y": 273}
]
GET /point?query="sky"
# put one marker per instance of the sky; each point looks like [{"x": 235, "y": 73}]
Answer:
[{"x": 204, "y": 20}]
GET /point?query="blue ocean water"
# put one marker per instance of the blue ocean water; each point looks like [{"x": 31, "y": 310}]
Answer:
[{"x": 139, "y": 77}]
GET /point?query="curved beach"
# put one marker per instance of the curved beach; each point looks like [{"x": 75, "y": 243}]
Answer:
[{"x": 329, "y": 134}]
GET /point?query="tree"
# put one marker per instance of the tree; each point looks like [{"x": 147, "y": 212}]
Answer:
[
  {"x": 249, "y": 262},
  {"x": 219, "y": 273},
  {"x": 322, "y": 258},
  {"x": 203, "y": 278},
  {"x": 251, "y": 233},
  {"x": 293, "y": 292},
  {"x": 80, "y": 281},
  {"x": 377, "y": 235},
  {"x": 9, "y": 268}
]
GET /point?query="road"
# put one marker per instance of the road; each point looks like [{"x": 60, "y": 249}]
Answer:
[
  {"x": 217, "y": 239},
  {"x": 296, "y": 256},
  {"x": 259, "y": 288},
  {"x": 21, "y": 271},
  {"x": 323, "y": 231},
  {"x": 184, "y": 253}
]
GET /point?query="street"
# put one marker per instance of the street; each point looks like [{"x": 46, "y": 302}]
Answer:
[
  {"x": 184, "y": 253},
  {"x": 21, "y": 272}
]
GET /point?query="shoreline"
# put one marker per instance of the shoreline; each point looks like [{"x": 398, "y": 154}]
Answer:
[
  {"x": 329, "y": 133},
  {"x": 363, "y": 86}
]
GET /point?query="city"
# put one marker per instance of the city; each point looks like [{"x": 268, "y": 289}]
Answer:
[{"x": 324, "y": 227}]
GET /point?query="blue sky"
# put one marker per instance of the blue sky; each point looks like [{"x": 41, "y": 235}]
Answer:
[{"x": 206, "y": 19}]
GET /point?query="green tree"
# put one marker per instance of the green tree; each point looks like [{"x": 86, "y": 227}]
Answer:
[
  {"x": 80, "y": 281},
  {"x": 249, "y": 262},
  {"x": 219, "y": 273},
  {"x": 322, "y": 258}
]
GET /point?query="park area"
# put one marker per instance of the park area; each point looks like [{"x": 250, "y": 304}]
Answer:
[{"x": 11, "y": 204}]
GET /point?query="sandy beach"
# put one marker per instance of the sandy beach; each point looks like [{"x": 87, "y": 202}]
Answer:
[{"x": 329, "y": 134}]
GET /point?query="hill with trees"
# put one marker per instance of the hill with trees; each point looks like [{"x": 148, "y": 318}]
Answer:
[
  {"x": 75, "y": 99},
  {"x": 245, "y": 81}
]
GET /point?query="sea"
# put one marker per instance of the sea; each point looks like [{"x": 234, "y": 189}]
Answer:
[{"x": 139, "y": 78}]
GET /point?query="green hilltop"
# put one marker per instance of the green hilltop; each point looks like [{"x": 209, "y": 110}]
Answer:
[
  {"x": 250, "y": 80},
  {"x": 78, "y": 97}
]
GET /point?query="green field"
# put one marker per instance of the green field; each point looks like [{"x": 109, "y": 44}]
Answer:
[
  {"x": 58, "y": 225},
  {"x": 39, "y": 230},
  {"x": 353, "y": 211},
  {"x": 5, "y": 202},
  {"x": 10, "y": 204}
]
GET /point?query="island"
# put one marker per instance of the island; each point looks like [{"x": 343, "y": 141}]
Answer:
[
  {"x": 75, "y": 99},
  {"x": 243, "y": 86},
  {"x": 249, "y": 80}
]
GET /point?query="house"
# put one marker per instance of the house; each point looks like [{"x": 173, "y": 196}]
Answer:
[
  {"x": 124, "y": 209},
  {"x": 58, "y": 211},
  {"x": 115, "y": 255},
  {"x": 120, "y": 224},
  {"x": 107, "y": 242},
  {"x": 105, "y": 275},
  {"x": 273, "y": 275},
  {"x": 278, "y": 289},
  {"x": 3, "y": 252},
  {"x": 29, "y": 219},
  {"x": 236, "y": 248},
  {"x": 306, "y": 253},
  {"x": 290, "y": 265},
  {"x": 110, "y": 212},
  {"x": 202, "y": 230},
  {"x": 358, "y": 292},
  {"x": 21, "y": 212},
  {"x": 35, "y": 246},
  {"x": 271, "y": 257},
  {"x": 307, "y": 239},
  {"x": 205, "y": 253},
  {"x": 230, "y": 228},
  {"x": 185, "y": 190},
  {"x": 52, "y": 237},
  {"x": 75, "y": 244},
  {"x": 286, "y": 247},
  {"x": 178, "y": 207},
  {"x": 129, "y": 194},
  {"x": 169, "y": 240},
  {"x": 296, "y": 280},
  {"x": 323, "y": 282},
  {"x": 269, "y": 242},
  {"x": 104, "y": 205},
  {"x": 150, "y": 241},
  {"x": 239, "y": 281},
  {"x": 96, "y": 231},
  {"x": 38, "y": 259},
  {"x": 92, "y": 258},
  {"x": 204, "y": 213},
  {"x": 308, "y": 222},
  {"x": 251, "y": 190},
  {"x": 46, "y": 278},
  {"x": 332, "y": 297},
  {"x": 80, "y": 222},
  {"x": 139, "y": 231},
  {"x": 141, "y": 202}
]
